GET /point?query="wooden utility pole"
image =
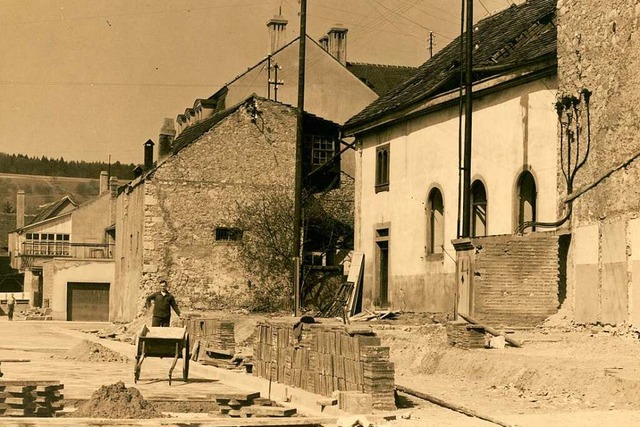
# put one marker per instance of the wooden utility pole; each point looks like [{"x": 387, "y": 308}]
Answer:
[
  {"x": 297, "y": 208},
  {"x": 468, "y": 109},
  {"x": 430, "y": 44}
]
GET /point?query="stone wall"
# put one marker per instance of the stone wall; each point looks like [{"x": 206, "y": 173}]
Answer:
[
  {"x": 515, "y": 279},
  {"x": 193, "y": 192},
  {"x": 599, "y": 49}
]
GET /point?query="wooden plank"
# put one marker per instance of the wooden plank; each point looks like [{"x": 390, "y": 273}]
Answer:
[
  {"x": 268, "y": 411},
  {"x": 492, "y": 331}
]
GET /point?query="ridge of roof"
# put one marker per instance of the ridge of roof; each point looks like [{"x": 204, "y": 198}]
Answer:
[
  {"x": 370, "y": 64},
  {"x": 516, "y": 35}
]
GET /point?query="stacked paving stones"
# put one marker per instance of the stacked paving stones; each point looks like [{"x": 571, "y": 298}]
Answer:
[
  {"x": 30, "y": 398},
  {"x": 216, "y": 340},
  {"x": 246, "y": 405},
  {"x": 324, "y": 359},
  {"x": 465, "y": 335}
]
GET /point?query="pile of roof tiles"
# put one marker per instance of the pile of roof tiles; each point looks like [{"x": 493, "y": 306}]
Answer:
[{"x": 31, "y": 398}]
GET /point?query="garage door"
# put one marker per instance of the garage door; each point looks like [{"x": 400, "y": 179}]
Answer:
[{"x": 88, "y": 301}]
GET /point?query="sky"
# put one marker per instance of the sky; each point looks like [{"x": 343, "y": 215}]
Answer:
[{"x": 89, "y": 79}]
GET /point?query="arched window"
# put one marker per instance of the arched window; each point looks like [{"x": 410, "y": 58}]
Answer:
[
  {"x": 435, "y": 219},
  {"x": 478, "y": 209},
  {"x": 526, "y": 198}
]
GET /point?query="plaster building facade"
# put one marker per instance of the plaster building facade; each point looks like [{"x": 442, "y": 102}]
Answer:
[
  {"x": 598, "y": 50},
  {"x": 179, "y": 220},
  {"x": 407, "y": 163},
  {"x": 66, "y": 255}
]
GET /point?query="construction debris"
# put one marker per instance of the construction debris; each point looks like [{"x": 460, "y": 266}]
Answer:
[
  {"x": 117, "y": 401},
  {"x": 245, "y": 405},
  {"x": 367, "y": 315},
  {"x": 88, "y": 351},
  {"x": 36, "y": 313}
]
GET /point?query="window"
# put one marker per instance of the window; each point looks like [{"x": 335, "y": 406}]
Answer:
[
  {"x": 228, "y": 234},
  {"x": 46, "y": 244},
  {"x": 382, "y": 168},
  {"x": 527, "y": 195},
  {"x": 382, "y": 266},
  {"x": 322, "y": 149},
  {"x": 478, "y": 209},
  {"x": 435, "y": 222}
]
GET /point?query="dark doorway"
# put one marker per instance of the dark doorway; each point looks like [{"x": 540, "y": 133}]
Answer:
[
  {"x": 88, "y": 302},
  {"x": 383, "y": 273}
]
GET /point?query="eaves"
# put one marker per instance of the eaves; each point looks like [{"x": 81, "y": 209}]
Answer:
[{"x": 496, "y": 83}]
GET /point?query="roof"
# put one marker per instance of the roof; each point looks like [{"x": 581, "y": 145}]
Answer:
[
  {"x": 52, "y": 210},
  {"x": 514, "y": 37},
  {"x": 380, "y": 78}
]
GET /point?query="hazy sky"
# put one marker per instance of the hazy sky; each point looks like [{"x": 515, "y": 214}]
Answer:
[{"x": 85, "y": 79}]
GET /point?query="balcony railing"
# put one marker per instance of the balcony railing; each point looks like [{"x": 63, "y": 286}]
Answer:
[{"x": 67, "y": 249}]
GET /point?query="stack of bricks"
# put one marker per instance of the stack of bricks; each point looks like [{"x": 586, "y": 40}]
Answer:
[
  {"x": 212, "y": 334},
  {"x": 465, "y": 335},
  {"x": 30, "y": 398},
  {"x": 325, "y": 359}
]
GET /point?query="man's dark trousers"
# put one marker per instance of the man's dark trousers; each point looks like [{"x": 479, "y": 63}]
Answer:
[{"x": 161, "y": 321}]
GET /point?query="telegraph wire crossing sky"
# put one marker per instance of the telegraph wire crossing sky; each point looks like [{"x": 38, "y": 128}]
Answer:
[{"x": 87, "y": 79}]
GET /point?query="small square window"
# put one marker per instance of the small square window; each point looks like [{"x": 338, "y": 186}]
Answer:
[{"x": 228, "y": 234}]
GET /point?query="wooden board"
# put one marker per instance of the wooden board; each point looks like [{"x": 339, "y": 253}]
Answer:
[{"x": 355, "y": 277}]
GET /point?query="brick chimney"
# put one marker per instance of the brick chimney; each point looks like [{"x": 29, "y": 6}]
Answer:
[
  {"x": 104, "y": 182},
  {"x": 20, "y": 209},
  {"x": 113, "y": 186},
  {"x": 277, "y": 32},
  {"x": 148, "y": 155},
  {"x": 167, "y": 135},
  {"x": 324, "y": 42},
  {"x": 338, "y": 43}
]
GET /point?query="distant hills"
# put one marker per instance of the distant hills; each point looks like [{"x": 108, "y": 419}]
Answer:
[{"x": 25, "y": 165}]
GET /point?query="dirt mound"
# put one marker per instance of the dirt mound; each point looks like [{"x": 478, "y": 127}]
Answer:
[
  {"x": 88, "y": 351},
  {"x": 117, "y": 401}
]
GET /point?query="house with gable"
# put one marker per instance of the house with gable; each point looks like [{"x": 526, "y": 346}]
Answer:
[
  {"x": 408, "y": 175},
  {"x": 66, "y": 254},
  {"x": 180, "y": 220}
]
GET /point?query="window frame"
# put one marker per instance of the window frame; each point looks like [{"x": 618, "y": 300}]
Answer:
[
  {"x": 228, "y": 234},
  {"x": 382, "y": 167},
  {"x": 431, "y": 231}
]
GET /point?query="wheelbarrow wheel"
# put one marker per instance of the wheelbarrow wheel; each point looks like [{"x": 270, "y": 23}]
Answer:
[{"x": 185, "y": 359}]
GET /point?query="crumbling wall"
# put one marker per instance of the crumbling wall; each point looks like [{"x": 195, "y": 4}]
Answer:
[
  {"x": 599, "y": 49},
  {"x": 201, "y": 188},
  {"x": 515, "y": 279}
]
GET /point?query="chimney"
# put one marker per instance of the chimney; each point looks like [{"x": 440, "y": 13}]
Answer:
[
  {"x": 113, "y": 187},
  {"x": 20, "y": 209},
  {"x": 338, "y": 43},
  {"x": 324, "y": 42},
  {"x": 277, "y": 32},
  {"x": 148, "y": 155},
  {"x": 104, "y": 182},
  {"x": 167, "y": 135}
]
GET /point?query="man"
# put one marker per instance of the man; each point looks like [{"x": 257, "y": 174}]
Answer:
[
  {"x": 11, "y": 305},
  {"x": 163, "y": 301}
]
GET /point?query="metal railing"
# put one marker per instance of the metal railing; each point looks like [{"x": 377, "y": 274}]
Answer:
[{"x": 67, "y": 249}]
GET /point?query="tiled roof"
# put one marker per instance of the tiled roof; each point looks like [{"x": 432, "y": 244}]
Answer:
[
  {"x": 52, "y": 209},
  {"x": 515, "y": 36},
  {"x": 380, "y": 78}
]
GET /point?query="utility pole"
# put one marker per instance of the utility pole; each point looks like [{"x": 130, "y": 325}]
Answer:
[
  {"x": 468, "y": 109},
  {"x": 275, "y": 82},
  {"x": 297, "y": 208},
  {"x": 269, "y": 76},
  {"x": 430, "y": 44}
]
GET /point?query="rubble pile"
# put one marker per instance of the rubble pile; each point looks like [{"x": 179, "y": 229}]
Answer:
[
  {"x": 117, "y": 401},
  {"x": 88, "y": 351},
  {"x": 36, "y": 313}
]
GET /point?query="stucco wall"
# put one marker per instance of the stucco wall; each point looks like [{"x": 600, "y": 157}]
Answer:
[
  {"x": 599, "y": 50},
  {"x": 90, "y": 220},
  {"x": 512, "y": 129},
  {"x": 123, "y": 294},
  {"x": 58, "y": 272},
  {"x": 331, "y": 91},
  {"x": 191, "y": 194}
]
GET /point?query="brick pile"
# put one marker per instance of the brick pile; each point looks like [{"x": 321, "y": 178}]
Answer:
[
  {"x": 31, "y": 398},
  {"x": 244, "y": 405},
  {"x": 324, "y": 359},
  {"x": 464, "y": 335},
  {"x": 213, "y": 339}
]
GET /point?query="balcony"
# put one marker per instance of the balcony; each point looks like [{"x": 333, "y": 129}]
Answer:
[{"x": 33, "y": 253}]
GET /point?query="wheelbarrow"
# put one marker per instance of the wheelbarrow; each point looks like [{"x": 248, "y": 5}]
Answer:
[{"x": 163, "y": 342}]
